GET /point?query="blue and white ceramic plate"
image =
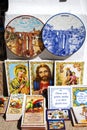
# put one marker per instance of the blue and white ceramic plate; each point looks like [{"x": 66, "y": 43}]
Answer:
[
  {"x": 63, "y": 34},
  {"x": 23, "y": 36}
]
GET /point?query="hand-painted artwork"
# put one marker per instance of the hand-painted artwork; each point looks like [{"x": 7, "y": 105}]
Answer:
[
  {"x": 23, "y": 36},
  {"x": 15, "y": 104},
  {"x": 55, "y": 114},
  {"x": 63, "y": 34},
  {"x": 79, "y": 96},
  {"x": 1, "y": 78},
  {"x": 69, "y": 73},
  {"x": 41, "y": 74},
  {"x": 80, "y": 114},
  {"x": 3, "y": 104},
  {"x": 56, "y": 125},
  {"x": 17, "y": 77},
  {"x": 59, "y": 97},
  {"x": 34, "y": 113}
]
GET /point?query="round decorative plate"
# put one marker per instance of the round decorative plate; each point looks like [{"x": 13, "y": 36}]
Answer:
[
  {"x": 63, "y": 34},
  {"x": 23, "y": 36}
]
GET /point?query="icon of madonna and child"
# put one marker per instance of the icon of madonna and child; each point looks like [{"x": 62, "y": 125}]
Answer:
[
  {"x": 18, "y": 80},
  {"x": 71, "y": 78},
  {"x": 69, "y": 73}
]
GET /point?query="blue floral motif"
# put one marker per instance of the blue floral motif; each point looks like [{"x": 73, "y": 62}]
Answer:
[{"x": 63, "y": 42}]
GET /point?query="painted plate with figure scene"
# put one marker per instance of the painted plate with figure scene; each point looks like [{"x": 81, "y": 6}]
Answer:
[
  {"x": 63, "y": 34},
  {"x": 23, "y": 36}
]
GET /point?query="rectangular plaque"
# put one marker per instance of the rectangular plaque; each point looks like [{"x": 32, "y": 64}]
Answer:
[
  {"x": 79, "y": 95},
  {"x": 59, "y": 97}
]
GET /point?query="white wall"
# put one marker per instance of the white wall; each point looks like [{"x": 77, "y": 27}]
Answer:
[{"x": 46, "y": 6}]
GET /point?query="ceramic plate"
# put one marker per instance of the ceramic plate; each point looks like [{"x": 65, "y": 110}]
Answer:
[
  {"x": 63, "y": 34},
  {"x": 23, "y": 36}
]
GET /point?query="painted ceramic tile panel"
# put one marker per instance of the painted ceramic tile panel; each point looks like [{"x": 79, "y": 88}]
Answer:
[
  {"x": 1, "y": 78},
  {"x": 63, "y": 34},
  {"x": 55, "y": 114},
  {"x": 59, "y": 97},
  {"x": 69, "y": 73},
  {"x": 34, "y": 113},
  {"x": 56, "y": 125},
  {"x": 79, "y": 96},
  {"x": 17, "y": 75},
  {"x": 41, "y": 76},
  {"x": 80, "y": 114},
  {"x": 15, "y": 104},
  {"x": 23, "y": 36},
  {"x": 3, "y": 104}
]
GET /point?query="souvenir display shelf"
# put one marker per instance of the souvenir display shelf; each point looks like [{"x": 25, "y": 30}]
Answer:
[{"x": 42, "y": 12}]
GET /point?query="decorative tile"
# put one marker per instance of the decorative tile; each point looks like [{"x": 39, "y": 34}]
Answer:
[{"x": 63, "y": 34}]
